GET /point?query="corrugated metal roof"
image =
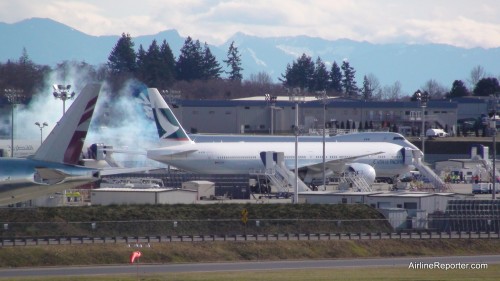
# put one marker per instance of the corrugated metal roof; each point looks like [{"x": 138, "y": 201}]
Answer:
[{"x": 336, "y": 103}]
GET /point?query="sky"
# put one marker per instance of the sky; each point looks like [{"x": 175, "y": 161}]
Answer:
[{"x": 461, "y": 23}]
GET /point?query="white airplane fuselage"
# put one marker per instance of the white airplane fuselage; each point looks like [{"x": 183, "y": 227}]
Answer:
[{"x": 243, "y": 157}]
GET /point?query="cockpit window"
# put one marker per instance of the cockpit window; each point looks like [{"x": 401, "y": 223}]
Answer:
[{"x": 398, "y": 138}]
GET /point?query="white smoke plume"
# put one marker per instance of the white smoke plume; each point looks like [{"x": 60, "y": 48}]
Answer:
[{"x": 118, "y": 120}]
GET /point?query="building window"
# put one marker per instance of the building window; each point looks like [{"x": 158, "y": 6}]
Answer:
[
  {"x": 344, "y": 200},
  {"x": 262, "y": 126},
  {"x": 410, "y": 205},
  {"x": 247, "y": 107},
  {"x": 247, "y": 126}
]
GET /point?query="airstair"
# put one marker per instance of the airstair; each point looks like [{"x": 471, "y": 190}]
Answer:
[
  {"x": 435, "y": 182},
  {"x": 488, "y": 165},
  {"x": 278, "y": 174},
  {"x": 355, "y": 181}
]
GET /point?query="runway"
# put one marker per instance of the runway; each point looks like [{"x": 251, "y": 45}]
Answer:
[{"x": 146, "y": 269}]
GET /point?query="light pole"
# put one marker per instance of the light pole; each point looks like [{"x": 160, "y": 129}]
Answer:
[
  {"x": 321, "y": 95},
  {"x": 423, "y": 98},
  {"x": 62, "y": 92},
  {"x": 14, "y": 97},
  {"x": 493, "y": 128},
  {"x": 172, "y": 96},
  {"x": 296, "y": 97},
  {"x": 271, "y": 102},
  {"x": 41, "y": 126}
]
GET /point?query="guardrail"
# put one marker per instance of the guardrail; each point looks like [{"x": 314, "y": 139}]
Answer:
[{"x": 68, "y": 240}]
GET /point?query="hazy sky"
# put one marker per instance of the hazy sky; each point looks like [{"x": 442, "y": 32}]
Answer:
[{"x": 463, "y": 23}]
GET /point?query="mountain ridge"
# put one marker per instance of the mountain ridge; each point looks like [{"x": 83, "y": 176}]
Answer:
[{"x": 50, "y": 42}]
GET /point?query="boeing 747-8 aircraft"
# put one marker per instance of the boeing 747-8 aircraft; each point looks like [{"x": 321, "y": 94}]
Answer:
[
  {"x": 370, "y": 159},
  {"x": 53, "y": 167}
]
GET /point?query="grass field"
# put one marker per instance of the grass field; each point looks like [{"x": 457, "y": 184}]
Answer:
[{"x": 179, "y": 252}]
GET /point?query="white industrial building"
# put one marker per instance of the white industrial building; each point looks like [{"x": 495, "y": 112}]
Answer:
[
  {"x": 401, "y": 209},
  {"x": 109, "y": 196},
  {"x": 204, "y": 189},
  {"x": 328, "y": 197},
  {"x": 411, "y": 201},
  {"x": 430, "y": 202}
]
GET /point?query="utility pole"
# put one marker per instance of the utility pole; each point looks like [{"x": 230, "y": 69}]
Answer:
[
  {"x": 14, "y": 96},
  {"x": 321, "y": 95},
  {"x": 62, "y": 92},
  {"x": 423, "y": 98},
  {"x": 296, "y": 97}
]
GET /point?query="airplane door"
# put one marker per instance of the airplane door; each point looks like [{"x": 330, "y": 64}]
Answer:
[{"x": 407, "y": 154}]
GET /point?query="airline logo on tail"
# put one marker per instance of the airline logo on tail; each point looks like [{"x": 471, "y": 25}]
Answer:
[
  {"x": 168, "y": 126},
  {"x": 74, "y": 149},
  {"x": 64, "y": 144}
]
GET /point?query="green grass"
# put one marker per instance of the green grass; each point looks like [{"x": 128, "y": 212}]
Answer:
[{"x": 90, "y": 254}]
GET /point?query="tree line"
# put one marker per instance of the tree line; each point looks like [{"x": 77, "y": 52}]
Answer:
[{"x": 198, "y": 75}]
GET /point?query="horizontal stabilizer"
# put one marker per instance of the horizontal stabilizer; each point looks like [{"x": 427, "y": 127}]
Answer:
[{"x": 51, "y": 175}]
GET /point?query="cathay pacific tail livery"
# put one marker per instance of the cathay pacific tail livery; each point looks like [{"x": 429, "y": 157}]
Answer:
[
  {"x": 369, "y": 159},
  {"x": 54, "y": 167}
]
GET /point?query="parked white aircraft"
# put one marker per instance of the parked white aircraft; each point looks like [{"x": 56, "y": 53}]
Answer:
[
  {"x": 370, "y": 159},
  {"x": 53, "y": 167}
]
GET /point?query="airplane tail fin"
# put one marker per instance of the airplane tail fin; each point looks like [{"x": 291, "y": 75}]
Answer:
[
  {"x": 64, "y": 144},
  {"x": 169, "y": 128}
]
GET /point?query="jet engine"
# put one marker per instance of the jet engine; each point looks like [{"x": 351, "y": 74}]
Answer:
[{"x": 363, "y": 170}]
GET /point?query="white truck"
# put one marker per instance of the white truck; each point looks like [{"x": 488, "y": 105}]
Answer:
[
  {"x": 436, "y": 133},
  {"x": 485, "y": 188}
]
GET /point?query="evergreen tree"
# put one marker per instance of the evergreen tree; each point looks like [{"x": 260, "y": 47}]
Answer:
[
  {"x": 189, "y": 66},
  {"x": 367, "y": 91},
  {"x": 458, "y": 90},
  {"x": 348, "y": 81},
  {"x": 211, "y": 68},
  {"x": 141, "y": 63},
  {"x": 153, "y": 66},
  {"x": 123, "y": 58},
  {"x": 300, "y": 74},
  {"x": 321, "y": 76},
  {"x": 168, "y": 64},
  {"x": 336, "y": 78},
  {"x": 24, "y": 75},
  {"x": 487, "y": 87},
  {"x": 234, "y": 63}
]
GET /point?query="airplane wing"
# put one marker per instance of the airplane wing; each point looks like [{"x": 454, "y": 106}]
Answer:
[{"x": 338, "y": 164}]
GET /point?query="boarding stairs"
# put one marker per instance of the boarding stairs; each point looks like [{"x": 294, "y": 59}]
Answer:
[
  {"x": 278, "y": 174},
  {"x": 356, "y": 181},
  {"x": 488, "y": 165},
  {"x": 436, "y": 183}
]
